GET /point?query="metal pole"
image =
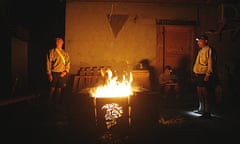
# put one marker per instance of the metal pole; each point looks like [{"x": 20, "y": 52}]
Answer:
[
  {"x": 129, "y": 111},
  {"x": 95, "y": 110}
]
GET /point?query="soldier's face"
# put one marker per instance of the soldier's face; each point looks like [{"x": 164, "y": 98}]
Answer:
[{"x": 201, "y": 43}]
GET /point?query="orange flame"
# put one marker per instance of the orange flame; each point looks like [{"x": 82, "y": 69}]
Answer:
[{"x": 113, "y": 86}]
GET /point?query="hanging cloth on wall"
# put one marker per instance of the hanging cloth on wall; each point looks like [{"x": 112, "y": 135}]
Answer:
[{"x": 62, "y": 57}]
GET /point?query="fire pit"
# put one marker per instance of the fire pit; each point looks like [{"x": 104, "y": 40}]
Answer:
[
  {"x": 112, "y": 114},
  {"x": 112, "y": 101}
]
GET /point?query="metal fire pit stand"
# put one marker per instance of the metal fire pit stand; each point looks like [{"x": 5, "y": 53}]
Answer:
[{"x": 96, "y": 114}]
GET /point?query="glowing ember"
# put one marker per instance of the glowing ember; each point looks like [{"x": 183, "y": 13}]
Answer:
[
  {"x": 113, "y": 86},
  {"x": 113, "y": 111}
]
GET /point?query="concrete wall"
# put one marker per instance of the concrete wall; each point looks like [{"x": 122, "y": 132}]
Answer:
[{"x": 90, "y": 40}]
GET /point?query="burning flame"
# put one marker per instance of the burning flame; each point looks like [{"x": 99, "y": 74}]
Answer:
[{"x": 113, "y": 86}]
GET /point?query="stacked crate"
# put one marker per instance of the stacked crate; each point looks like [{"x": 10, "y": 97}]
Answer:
[{"x": 87, "y": 77}]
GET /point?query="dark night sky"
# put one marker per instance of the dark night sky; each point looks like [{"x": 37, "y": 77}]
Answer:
[{"x": 43, "y": 18}]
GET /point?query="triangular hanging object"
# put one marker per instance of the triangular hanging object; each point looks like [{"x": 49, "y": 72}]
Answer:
[{"x": 116, "y": 22}]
